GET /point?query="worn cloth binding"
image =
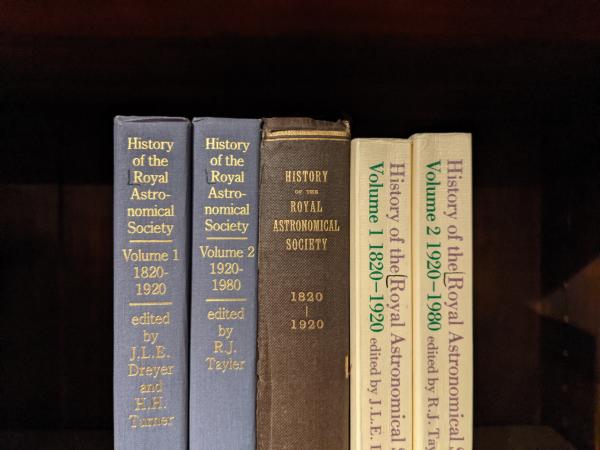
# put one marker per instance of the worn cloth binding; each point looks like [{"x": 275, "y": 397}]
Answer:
[{"x": 303, "y": 326}]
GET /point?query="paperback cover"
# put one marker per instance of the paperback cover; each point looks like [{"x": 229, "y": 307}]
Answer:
[
  {"x": 443, "y": 293},
  {"x": 381, "y": 294},
  {"x": 151, "y": 211},
  {"x": 224, "y": 284}
]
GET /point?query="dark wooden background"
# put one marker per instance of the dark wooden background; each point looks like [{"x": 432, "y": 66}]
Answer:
[{"x": 523, "y": 77}]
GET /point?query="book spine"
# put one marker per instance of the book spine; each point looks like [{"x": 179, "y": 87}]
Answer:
[
  {"x": 442, "y": 265},
  {"x": 303, "y": 338},
  {"x": 151, "y": 206},
  {"x": 356, "y": 350},
  {"x": 224, "y": 284},
  {"x": 381, "y": 294}
]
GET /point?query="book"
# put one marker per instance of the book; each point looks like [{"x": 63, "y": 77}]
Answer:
[
  {"x": 381, "y": 294},
  {"x": 151, "y": 283},
  {"x": 303, "y": 301},
  {"x": 442, "y": 291},
  {"x": 224, "y": 283}
]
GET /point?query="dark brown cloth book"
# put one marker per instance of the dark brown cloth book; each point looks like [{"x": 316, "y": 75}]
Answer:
[{"x": 303, "y": 306}]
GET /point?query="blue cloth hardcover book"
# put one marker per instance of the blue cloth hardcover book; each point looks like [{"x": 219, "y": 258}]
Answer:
[
  {"x": 151, "y": 282},
  {"x": 224, "y": 283}
]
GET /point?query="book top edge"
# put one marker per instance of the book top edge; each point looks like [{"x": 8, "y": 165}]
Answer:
[
  {"x": 442, "y": 140},
  {"x": 381, "y": 140},
  {"x": 291, "y": 124},
  {"x": 149, "y": 119},
  {"x": 226, "y": 119},
  {"x": 440, "y": 135}
]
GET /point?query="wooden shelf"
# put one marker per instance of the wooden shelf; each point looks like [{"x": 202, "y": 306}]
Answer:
[{"x": 486, "y": 438}]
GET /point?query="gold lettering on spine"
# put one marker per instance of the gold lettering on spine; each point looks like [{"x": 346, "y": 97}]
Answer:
[
  {"x": 305, "y": 190},
  {"x": 226, "y": 169},
  {"x": 306, "y": 176},
  {"x": 150, "y": 227}
]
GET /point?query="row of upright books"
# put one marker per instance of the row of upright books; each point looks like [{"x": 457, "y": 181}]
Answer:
[{"x": 278, "y": 285}]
